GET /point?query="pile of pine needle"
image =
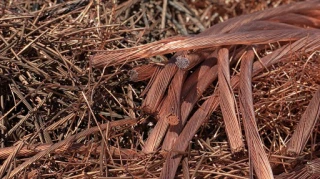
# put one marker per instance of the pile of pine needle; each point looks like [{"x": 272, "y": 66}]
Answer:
[{"x": 149, "y": 89}]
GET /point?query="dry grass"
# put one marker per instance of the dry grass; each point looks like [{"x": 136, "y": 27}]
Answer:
[{"x": 90, "y": 89}]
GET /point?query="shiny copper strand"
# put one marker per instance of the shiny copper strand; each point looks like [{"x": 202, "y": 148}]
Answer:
[
  {"x": 227, "y": 103},
  {"x": 169, "y": 110},
  {"x": 158, "y": 88},
  {"x": 257, "y": 154},
  {"x": 305, "y": 126},
  {"x": 188, "y": 102},
  {"x": 203, "y": 113}
]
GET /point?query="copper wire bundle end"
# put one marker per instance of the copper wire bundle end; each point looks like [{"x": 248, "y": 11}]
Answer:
[
  {"x": 134, "y": 75},
  {"x": 182, "y": 62},
  {"x": 143, "y": 72},
  {"x": 172, "y": 120}
]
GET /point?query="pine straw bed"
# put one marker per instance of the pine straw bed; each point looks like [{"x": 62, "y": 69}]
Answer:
[{"x": 240, "y": 99}]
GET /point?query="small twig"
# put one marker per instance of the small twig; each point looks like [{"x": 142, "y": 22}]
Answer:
[{"x": 163, "y": 16}]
